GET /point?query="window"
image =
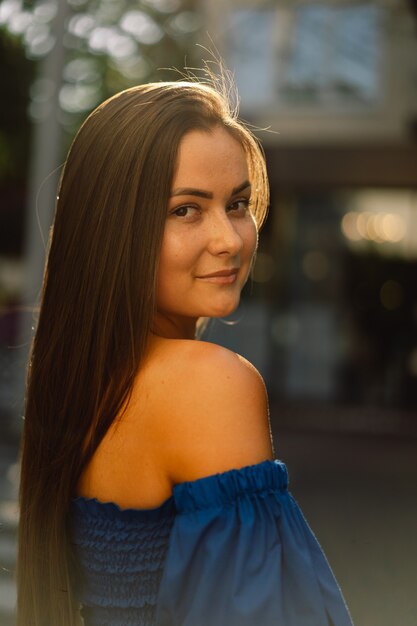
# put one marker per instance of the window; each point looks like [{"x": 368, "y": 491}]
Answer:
[{"x": 308, "y": 55}]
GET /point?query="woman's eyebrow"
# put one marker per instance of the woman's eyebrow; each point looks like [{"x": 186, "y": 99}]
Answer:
[{"x": 190, "y": 191}]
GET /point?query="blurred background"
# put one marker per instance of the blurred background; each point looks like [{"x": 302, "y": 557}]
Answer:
[{"x": 330, "y": 315}]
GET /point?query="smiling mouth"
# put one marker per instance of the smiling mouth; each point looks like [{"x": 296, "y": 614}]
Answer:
[{"x": 222, "y": 277}]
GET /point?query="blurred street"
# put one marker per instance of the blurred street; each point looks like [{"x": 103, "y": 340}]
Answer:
[
  {"x": 8, "y": 528},
  {"x": 359, "y": 494}
]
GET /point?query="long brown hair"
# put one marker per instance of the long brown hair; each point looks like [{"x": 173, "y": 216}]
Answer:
[{"x": 97, "y": 308}]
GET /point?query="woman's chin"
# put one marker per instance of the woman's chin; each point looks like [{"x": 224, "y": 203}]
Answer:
[{"x": 223, "y": 310}]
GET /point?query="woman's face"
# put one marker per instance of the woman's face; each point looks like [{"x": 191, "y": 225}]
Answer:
[{"x": 210, "y": 234}]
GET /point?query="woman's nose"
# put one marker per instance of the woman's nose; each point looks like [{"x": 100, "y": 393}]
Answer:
[{"x": 223, "y": 236}]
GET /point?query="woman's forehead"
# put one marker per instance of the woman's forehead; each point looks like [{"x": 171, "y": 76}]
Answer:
[{"x": 202, "y": 155}]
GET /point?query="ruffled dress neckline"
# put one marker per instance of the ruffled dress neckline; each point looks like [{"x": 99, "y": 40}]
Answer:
[{"x": 220, "y": 488}]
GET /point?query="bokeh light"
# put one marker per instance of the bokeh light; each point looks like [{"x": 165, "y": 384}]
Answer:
[
  {"x": 163, "y": 6},
  {"x": 349, "y": 226},
  {"x": 81, "y": 25},
  {"x": 393, "y": 227},
  {"x": 45, "y": 11},
  {"x": 384, "y": 219},
  {"x": 8, "y": 9},
  {"x": 77, "y": 98},
  {"x": 84, "y": 70},
  {"x": 376, "y": 227},
  {"x": 18, "y": 22},
  {"x": 142, "y": 27},
  {"x": 185, "y": 22},
  {"x": 125, "y": 44}
]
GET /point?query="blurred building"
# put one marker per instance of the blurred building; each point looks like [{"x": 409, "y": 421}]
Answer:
[{"x": 332, "y": 88}]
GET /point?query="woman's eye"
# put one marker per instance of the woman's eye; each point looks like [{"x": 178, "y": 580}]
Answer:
[
  {"x": 239, "y": 206},
  {"x": 184, "y": 211}
]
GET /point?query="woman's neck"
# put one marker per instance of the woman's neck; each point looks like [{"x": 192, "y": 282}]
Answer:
[{"x": 174, "y": 328}]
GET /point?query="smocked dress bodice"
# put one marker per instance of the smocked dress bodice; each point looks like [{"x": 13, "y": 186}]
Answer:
[{"x": 231, "y": 549}]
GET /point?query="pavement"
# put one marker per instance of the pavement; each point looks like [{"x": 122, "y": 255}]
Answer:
[{"x": 359, "y": 495}]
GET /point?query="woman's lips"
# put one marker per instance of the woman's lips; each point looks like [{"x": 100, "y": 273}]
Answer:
[{"x": 223, "y": 277}]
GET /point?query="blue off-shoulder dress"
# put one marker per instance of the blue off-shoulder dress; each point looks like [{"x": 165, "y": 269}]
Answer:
[{"x": 231, "y": 549}]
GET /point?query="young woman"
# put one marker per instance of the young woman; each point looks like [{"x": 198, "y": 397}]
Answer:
[{"x": 149, "y": 492}]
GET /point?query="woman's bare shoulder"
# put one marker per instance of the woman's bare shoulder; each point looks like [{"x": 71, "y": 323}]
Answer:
[
  {"x": 211, "y": 412},
  {"x": 199, "y": 369}
]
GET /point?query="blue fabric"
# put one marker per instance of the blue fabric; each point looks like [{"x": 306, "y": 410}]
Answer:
[
  {"x": 120, "y": 555},
  {"x": 231, "y": 549}
]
